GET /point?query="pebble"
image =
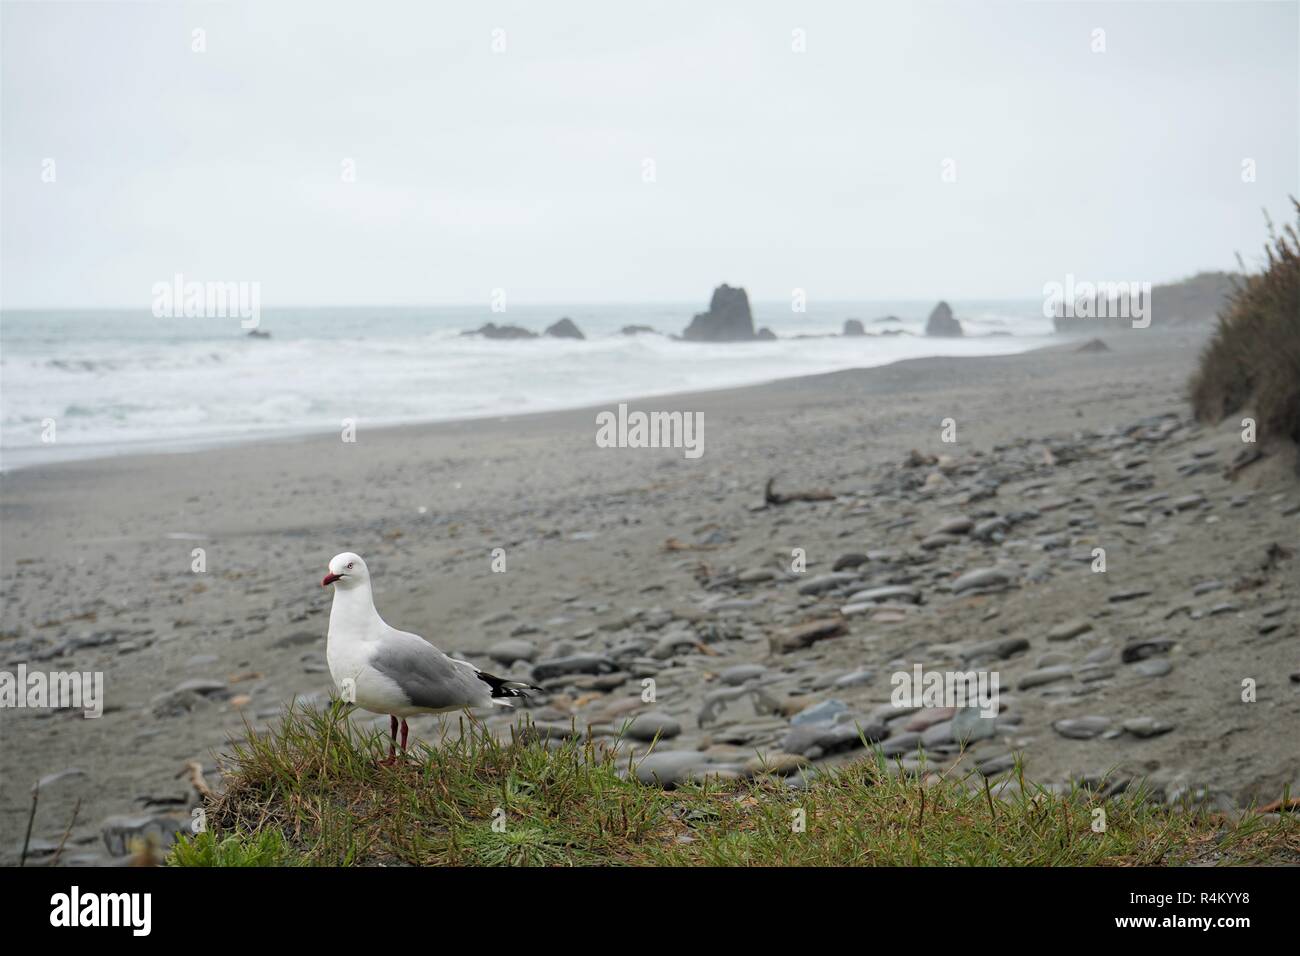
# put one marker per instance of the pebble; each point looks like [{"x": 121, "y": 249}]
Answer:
[
  {"x": 854, "y": 679},
  {"x": 667, "y": 645},
  {"x": 739, "y": 674},
  {"x": 1156, "y": 667},
  {"x": 574, "y": 664},
  {"x": 815, "y": 740},
  {"x": 980, "y": 578},
  {"x": 895, "y": 592},
  {"x": 1001, "y": 649},
  {"x": 1130, "y": 595},
  {"x": 927, "y": 717},
  {"x": 970, "y": 725},
  {"x": 1145, "y": 647},
  {"x": 645, "y": 727},
  {"x": 819, "y": 713},
  {"x": 996, "y": 765},
  {"x": 777, "y": 762},
  {"x": 987, "y": 529},
  {"x": 827, "y": 582},
  {"x": 1147, "y": 727},
  {"x": 807, "y": 634},
  {"x": 1082, "y": 728},
  {"x": 845, "y": 561},
  {"x": 668, "y": 768},
  {"x": 959, "y": 525},
  {"x": 1047, "y": 675},
  {"x": 1069, "y": 630},
  {"x": 900, "y": 743},
  {"x": 509, "y": 651}
]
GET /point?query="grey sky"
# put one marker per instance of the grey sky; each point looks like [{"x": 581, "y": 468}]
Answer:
[{"x": 524, "y": 169}]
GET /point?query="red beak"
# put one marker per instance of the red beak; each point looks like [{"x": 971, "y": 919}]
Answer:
[{"x": 330, "y": 579}]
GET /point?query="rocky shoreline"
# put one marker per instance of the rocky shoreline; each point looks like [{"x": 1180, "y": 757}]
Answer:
[{"x": 770, "y": 622}]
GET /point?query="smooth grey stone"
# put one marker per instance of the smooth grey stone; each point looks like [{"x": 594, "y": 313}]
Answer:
[
  {"x": 667, "y": 645},
  {"x": 1069, "y": 630},
  {"x": 1155, "y": 667},
  {"x": 1145, "y": 647},
  {"x": 200, "y": 685},
  {"x": 1001, "y": 648},
  {"x": 646, "y": 727},
  {"x": 738, "y": 674},
  {"x": 1081, "y": 728},
  {"x": 1147, "y": 726},
  {"x": 969, "y": 725},
  {"x": 891, "y": 592},
  {"x": 959, "y": 525},
  {"x": 855, "y": 679},
  {"x": 827, "y": 582},
  {"x": 814, "y": 740},
  {"x": 509, "y": 651},
  {"x": 936, "y": 735},
  {"x": 985, "y": 530},
  {"x": 668, "y": 768},
  {"x": 900, "y": 743},
  {"x": 980, "y": 578},
  {"x": 996, "y": 765},
  {"x": 574, "y": 664},
  {"x": 1047, "y": 675},
  {"x": 821, "y": 712},
  {"x": 1100, "y": 655},
  {"x": 1131, "y": 594}
]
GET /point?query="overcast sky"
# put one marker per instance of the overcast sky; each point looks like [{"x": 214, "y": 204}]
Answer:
[{"x": 525, "y": 169}]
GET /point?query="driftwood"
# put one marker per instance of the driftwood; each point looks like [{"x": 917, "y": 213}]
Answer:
[{"x": 772, "y": 497}]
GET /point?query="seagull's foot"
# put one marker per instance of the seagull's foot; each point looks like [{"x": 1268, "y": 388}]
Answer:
[{"x": 389, "y": 761}]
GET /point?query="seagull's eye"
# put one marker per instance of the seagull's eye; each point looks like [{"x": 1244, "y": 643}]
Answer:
[{"x": 349, "y": 565}]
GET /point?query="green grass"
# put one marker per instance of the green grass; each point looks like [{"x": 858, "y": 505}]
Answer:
[
  {"x": 311, "y": 793},
  {"x": 1253, "y": 360}
]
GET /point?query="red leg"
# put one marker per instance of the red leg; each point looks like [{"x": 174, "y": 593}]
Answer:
[{"x": 405, "y": 730}]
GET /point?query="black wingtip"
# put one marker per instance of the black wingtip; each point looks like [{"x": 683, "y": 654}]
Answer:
[{"x": 503, "y": 687}]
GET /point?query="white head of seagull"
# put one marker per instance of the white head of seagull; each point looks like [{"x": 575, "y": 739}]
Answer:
[
  {"x": 347, "y": 570},
  {"x": 387, "y": 671}
]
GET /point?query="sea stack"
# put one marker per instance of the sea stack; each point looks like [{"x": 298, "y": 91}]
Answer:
[
  {"x": 942, "y": 323},
  {"x": 854, "y": 327},
  {"x": 728, "y": 318},
  {"x": 564, "y": 329}
]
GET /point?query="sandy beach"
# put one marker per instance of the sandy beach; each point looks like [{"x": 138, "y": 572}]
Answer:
[{"x": 624, "y": 564}]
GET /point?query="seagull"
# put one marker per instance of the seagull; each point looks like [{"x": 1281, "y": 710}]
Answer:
[{"x": 387, "y": 671}]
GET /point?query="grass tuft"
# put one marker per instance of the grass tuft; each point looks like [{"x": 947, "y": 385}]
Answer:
[
  {"x": 311, "y": 793},
  {"x": 1253, "y": 359}
]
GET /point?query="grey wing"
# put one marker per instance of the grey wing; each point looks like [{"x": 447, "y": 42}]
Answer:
[{"x": 427, "y": 676}]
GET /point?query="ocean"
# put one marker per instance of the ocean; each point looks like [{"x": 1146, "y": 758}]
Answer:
[{"x": 108, "y": 382}]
